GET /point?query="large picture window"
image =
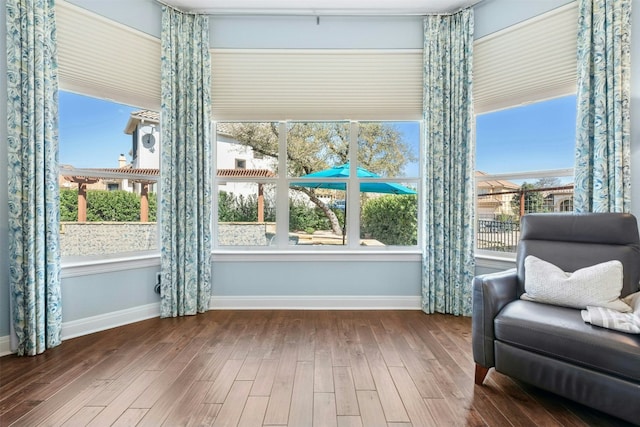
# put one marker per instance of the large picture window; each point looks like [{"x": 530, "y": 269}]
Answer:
[{"x": 317, "y": 184}]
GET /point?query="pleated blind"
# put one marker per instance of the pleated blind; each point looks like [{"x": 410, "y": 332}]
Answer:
[
  {"x": 317, "y": 84},
  {"x": 101, "y": 58},
  {"x": 528, "y": 62}
]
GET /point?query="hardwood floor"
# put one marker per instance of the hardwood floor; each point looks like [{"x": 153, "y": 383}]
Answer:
[{"x": 294, "y": 368}]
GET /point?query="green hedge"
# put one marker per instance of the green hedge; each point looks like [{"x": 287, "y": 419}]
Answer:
[
  {"x": 107, "y": 206},
  {"x": 392, "y": 219}
]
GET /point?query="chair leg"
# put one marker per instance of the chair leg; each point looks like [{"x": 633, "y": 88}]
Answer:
[{"x": 481, "y": 373}]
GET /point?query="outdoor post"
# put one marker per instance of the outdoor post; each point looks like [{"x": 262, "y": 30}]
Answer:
[
  {"x": 82, "y": 201},
  {"x": 522, "y": 203},
  {"x": 82, "y": 194},
  {"x": 260, "y": 202},
  {"x": 144, "y": 202}
]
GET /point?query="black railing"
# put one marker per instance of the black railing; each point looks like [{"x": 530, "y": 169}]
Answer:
[
  {"x": 496, "y": 235},
  {"x": 500, "y": 230}
]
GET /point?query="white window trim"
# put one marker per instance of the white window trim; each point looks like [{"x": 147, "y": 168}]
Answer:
[
  {"x": 86, "y": 266},
  {"x": 413, "y": 255},
  {"x": 282, "y": 248}
]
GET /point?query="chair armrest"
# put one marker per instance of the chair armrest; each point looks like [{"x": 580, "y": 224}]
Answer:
[{"x": 491, "y": 292}]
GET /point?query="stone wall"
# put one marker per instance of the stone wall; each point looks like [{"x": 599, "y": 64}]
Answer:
[
  {"x": 243, "y": 234},
  {"x": 100, "y": 238}
]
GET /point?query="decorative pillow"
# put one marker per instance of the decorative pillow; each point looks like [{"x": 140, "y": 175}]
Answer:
[{"x": 597, "y": 286}]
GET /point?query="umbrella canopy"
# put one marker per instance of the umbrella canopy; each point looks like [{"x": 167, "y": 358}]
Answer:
[{"x": 342, "y": 171}]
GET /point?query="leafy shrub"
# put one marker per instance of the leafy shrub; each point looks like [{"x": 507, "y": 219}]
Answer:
[
  {"x": 118, "y": 206},
  {"x": 103, "y": 206},
  {"x": 303, "y": 217},
  {"x": 232, "y": 208},
  {"x": 391, "y": 219},
  {"x": 68, "y": 205}
]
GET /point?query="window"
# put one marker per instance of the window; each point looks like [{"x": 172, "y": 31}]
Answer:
[
  {"x": 524, "y": 98},
  {"x": 241, "y": 164},
  {"x": 524, "y": 159},
  {"x": 317, "y": 184},
  {"x": 107, "y": 199}
]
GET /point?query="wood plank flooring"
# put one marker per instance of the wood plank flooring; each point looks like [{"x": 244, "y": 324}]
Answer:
[{"x": 276, "y": 368}]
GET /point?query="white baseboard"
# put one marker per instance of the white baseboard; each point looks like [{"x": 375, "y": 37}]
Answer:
[
  {"x": 5, "y": 345},
  {"x": 89, "y": 325},
  {"x": 315, "y": 302}
]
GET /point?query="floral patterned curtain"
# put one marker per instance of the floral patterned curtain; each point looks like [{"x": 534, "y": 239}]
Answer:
[
  {"x": 603, "y": 134},
  {"x": 185, "y": 189},
  {"x": 448, "y": 179},
  {"x": 32, "y": 142}
]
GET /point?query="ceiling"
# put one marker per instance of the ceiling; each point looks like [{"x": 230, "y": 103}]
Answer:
[{"x": 321, "y": 7}]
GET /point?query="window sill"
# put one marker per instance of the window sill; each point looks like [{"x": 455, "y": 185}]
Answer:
[
  {"x": 314, "y": 255},
  {"x": 500, "y": 261},
  {"x": 85, "y": 266}
]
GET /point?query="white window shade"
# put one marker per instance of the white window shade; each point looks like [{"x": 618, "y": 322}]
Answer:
[
  {"x": 101, "y": 58},
  {"x": 529, "y": 62},
  {"x": 317, "y": 84}
]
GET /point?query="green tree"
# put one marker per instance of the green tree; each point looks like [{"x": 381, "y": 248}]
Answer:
[
  {"x": 391, "y": 219},
  {"x": 547, "y": 183},
  {"x": 312, "y": 147},
  {"x": 533, "y": 200}
]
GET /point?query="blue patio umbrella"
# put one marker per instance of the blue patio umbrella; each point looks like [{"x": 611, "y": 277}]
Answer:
[{"x": 342, "y": 171}]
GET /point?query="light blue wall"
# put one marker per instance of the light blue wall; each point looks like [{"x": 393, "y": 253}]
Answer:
[
  {"x": 316, "y": 278},
  {"x": 494, "y": 15},
  {"x": 304, "y": 32},
  {"x": 88, "y": 296},
  {"x": 143, "y": 15}
]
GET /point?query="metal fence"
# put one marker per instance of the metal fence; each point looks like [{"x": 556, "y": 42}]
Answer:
[{"x": 499, "y": 213}]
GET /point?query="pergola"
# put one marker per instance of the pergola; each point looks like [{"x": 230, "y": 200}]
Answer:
[
  {"x": 250, "y": 173},
  {"x": 84, "y": 177},
  {"x": 146, "y": 177}
]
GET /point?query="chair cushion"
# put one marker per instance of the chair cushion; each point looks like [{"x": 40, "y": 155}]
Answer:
[
  {"x": 597, "y": 286},
  {"x": 560, "y": 332}
]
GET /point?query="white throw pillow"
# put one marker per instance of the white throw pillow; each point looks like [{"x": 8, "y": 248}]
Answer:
[{"x": 597, "y": 286}]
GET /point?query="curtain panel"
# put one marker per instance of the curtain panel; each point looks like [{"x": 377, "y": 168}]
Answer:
[
  {"x": 185, "y": 192},
  {"x": 603, "y": 125},
  {"x": 448, "y": 179},
  {"x": 32, "y": 142}
]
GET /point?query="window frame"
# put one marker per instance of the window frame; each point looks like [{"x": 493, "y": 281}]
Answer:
[
  {"x": 281, "y": 240},
  {"x": 81, "y": 265},
  {"x": 523, "y": 77}
]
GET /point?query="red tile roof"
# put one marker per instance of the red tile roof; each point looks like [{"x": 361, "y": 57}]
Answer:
[
  {"x": 245, "y": 173},
  {"x": 107, "y": 172}
]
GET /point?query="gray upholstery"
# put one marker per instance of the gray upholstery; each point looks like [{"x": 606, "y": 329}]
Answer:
[{"x": 549, "y": 346}]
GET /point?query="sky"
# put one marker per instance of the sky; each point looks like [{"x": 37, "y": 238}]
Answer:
[
  {"x": 528, "y": 138},
  {"x": 92, "y": 131}
]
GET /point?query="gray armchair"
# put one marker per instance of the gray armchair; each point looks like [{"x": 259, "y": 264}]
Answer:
[{"x": 550, "y": 346}]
